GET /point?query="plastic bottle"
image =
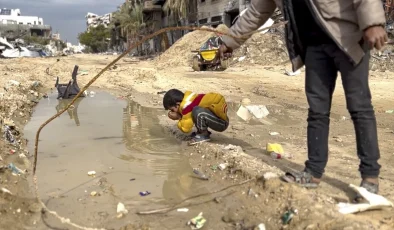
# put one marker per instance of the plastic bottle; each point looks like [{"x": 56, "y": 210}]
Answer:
[{"x": 275, "y": 155}]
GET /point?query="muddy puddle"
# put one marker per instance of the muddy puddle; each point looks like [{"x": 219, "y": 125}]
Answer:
[{"x": 123, "y": 143}]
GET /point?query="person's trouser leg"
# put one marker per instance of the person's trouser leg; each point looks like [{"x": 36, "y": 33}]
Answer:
[
  {"x": 320, "y": 77},
  {"x": 204, "y": 118},
  {"x": 359, "y": 104}
]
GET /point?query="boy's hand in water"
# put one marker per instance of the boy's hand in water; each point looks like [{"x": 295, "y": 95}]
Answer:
[{"x": 174, "y": 115}]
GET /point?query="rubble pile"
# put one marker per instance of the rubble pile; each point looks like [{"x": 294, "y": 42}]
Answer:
[
  {"x": 262, "y": 49},
  {"x": 179, "y": 54},
  {"x": 382, "y": 60}
]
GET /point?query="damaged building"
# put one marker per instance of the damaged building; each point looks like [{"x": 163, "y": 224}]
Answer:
[
  {"x": 94, "y": 20},
  {"x": 216, "y": 12},
  {"x": 15, "y": 25}
]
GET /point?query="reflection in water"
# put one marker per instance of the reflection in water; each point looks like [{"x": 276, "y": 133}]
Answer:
[
  {"x": 148, "y": 141},
  {"x": 72, "y": 111}
]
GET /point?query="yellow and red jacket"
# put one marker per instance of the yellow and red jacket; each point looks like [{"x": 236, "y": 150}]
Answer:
[{"x": 212, "y": 101}]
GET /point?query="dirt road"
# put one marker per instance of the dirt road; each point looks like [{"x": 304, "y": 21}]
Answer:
[{"x": 284, "y": 97}]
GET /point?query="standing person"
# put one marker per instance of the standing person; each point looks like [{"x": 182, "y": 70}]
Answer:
[{"x": 327, "y": 36}]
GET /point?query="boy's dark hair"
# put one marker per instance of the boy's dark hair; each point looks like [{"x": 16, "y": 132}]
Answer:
[{"x": 172, "y": 97}]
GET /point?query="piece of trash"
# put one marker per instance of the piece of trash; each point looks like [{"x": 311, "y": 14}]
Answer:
[
  {"x": 390, "y": 111},
  {"x": 12, "y": 151},
  {"x": 132, "y": 179},
  {"x": 15, "y": 170},
  {"x": 274, "y": 147},
  {"x": 214, "y": 167},
  {"x": 18, "y": 210},
  {"x": 197, "y": 222},
  {"x": 291, "y": 73},
  {"x": 223, "y": 166},
  {"x": 249, "y": 111},
  {"x": 144, "y": 193},
  {"x": 240, "y": 59},
  {"x": 374, "y": 202},
  {"x": 275, "y": 155},
  {"x": 91, "y": 173},
  {"x": 182, "y": 210},
  {"x": 274, "y": 133},
  {"x": 200, "y": 175},
  {"x": 121, "y": 210},
  {"x": 91, "y": 94},
  {"x": 4, "y": 190},
  {"x": 288, "y": 216},
  {"x": 13, "y": 82},
  {"x": 94, "y": 193},
  {"x": 161, "y": 92},
  {"x": 8, "y": 134},
  {"x": 260, "y": 227},
  {"x": 270, "y": 175},
  {"x": 252, "y": 193}
]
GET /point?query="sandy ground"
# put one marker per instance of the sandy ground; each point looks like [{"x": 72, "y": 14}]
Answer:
[{"x": 284, "y": 97}]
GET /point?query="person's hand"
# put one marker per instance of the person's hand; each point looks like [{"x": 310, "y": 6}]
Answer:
[
  {"x": 224, "y": 51},
  {"x": 375, "y": 36},
  {"x": 174, "y": 115}
]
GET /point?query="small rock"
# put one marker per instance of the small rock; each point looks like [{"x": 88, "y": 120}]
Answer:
[
  {"x": 121, "y": 209},
  {"x": 94, "y": 193},
  {"x": 35, "y": 208},
  {"x": 238, "y": 127}
]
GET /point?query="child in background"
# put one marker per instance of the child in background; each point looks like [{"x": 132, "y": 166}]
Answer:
[{"x": 202, "y": 110}]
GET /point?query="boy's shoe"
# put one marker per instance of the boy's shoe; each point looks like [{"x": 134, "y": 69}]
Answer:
[
  {"x": 199, "y": 139},
  {"x": 195, "y": 133}
]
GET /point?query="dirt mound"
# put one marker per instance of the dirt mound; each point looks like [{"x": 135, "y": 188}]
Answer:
[
  {"x": 262, "y": 49},
  {"x": 179, "y": 54}
]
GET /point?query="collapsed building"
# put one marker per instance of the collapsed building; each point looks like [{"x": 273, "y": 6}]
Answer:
[
  {"x": 14, "y": 25},
  {"x": 94, "y": 20}
]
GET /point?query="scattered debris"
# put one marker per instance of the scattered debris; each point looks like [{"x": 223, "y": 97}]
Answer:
[
  {"x": 223, "y": 166},
  {"x": 197, "y": 222},
  {"x": 161, "y": 92},
  {"x": 240, "y": 59},
  {"x": 374, "y": 202},
  {"x": 145, "y": 193},
  {"x": 132, "y": 179},
  {"x": 121, "y": 210},
  {"x": 260, "y": 227},
  {"x": 252, "y": 193},
  {"x": 274, "y": 133},
  {"x": 249, "y": 111},
  {"x": 91, "y": 173},
  {"x": 390, "y": 111},
  {"x": 270, "y": 175},
  {"x": 274, "y": 147},
  {"x": 8, "y": 135},
  {"x": 200, "y": 175},
  {"x": 288, "y": 216},
  {"x": 182, "y": 210},
  {"x": 15, "y": 170},
  {"x": 4, "y": 190}
]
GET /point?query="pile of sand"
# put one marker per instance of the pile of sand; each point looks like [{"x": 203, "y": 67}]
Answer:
[
  {"x": 179, "y": 54},
  {"x": 262, "y": 49}
]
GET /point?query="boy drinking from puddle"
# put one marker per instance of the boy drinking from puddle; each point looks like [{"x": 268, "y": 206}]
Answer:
[{"x": 202, "y": 110}]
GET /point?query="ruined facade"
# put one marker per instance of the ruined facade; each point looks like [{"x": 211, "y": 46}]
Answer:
[
  {"x": 215, "y": 12},
  {"x": 94, "y": 20},
  {"x": 14, "y": 25}
]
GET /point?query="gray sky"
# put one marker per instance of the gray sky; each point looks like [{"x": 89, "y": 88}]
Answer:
[{"x": 65, "y": 16}]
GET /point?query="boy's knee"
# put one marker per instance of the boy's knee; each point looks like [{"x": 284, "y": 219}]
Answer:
[{"x": 196, "y": 110}]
